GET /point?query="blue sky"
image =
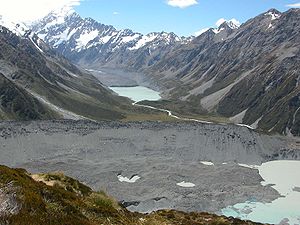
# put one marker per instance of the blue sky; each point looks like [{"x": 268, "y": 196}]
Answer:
[
  {"x": 156, "y": 15},
  {"x": 148, "y": 15}
]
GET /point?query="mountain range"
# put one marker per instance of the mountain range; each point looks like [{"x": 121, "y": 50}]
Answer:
[
  {"x": 247, "y": 73},
  {"x": 87, "y": 42},
  {"x": 250, "y": 76}
]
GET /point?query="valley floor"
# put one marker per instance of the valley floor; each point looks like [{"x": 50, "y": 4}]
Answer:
[{"x": 150, "y": 165}]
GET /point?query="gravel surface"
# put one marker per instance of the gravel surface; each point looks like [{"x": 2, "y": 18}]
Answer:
[{"x": 160, "y": 154}]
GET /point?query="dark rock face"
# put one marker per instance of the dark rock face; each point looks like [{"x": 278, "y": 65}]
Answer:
[{"x": 9, "y": 204}]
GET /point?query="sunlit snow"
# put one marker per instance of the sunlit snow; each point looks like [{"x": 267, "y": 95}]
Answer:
[
  {"x": 128, "y": 180},
  {"x": 207, "y": 163},
  {"x": 273, "y": 15},
  {"x": 85, "y": 38},
  {"x": 17, "y": 28},
  {"x": 144, "y": 40},
  {"x": 186, "y": 184}
]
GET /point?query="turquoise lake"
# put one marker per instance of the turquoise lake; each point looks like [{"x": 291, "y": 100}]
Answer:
[
  {"x": 137, "y": 93},
  {"x": 285, "y": 178}
]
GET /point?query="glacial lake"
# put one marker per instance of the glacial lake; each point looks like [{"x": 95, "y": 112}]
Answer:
[
  {"x": 137, "y": 93},
  {"x": 285, "y": 178}
]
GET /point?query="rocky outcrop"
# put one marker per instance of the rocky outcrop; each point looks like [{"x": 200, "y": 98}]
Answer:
[{"x": 9, "y": 203}]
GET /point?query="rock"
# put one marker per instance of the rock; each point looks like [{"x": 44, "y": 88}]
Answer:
[{"x": 296, "y": 189}]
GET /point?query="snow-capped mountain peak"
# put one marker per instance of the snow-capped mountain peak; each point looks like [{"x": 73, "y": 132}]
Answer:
[
  {"x": 230, "y": 25},
  {"x": 70, "y": 34},
  {"x": 273, "y": 13},
  {"x": 64, "y": 12},
  {"x": 233, "y": 24},
  {"x": 18, "y": 28},
  {"x": 55, "y": 18},
  {"x": 58, "y": 15}
]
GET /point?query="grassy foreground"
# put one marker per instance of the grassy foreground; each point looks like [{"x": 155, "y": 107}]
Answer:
[{"x": 57, "y": 199}]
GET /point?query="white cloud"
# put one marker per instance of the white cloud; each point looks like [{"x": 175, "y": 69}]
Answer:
[
  {"x": 198, "y": 33},
  {"x": 116, "y": 13},
  {"x": 295, "y": 5},
  {"x": 182, "y": 3},
  {"x": 29, "y": 10}
]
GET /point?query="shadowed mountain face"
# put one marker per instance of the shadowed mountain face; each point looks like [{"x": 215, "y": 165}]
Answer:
[
  {"x": 38, "y": 83},
  {"x": 249, "y": 74},
  {"x": 16, "y": 103}
]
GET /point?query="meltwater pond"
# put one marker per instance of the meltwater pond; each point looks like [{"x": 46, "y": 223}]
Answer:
[
  {"x": 285, "y": 178},
  {"x": 137, "y": 93}
]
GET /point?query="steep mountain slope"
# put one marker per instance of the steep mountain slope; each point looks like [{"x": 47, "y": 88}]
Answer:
[
  {"x": 57, "y": 199},
  {"x": 251, "y": 75},
  {"x": 37, "y": 73},
  {"x": 17, "y": 103}
]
